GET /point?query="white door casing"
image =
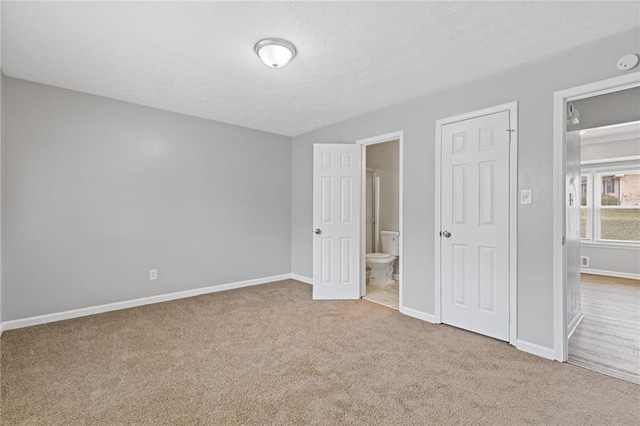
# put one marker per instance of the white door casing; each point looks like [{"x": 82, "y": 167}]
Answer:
[
  {"x": 474, "y": 210},
  {"x": 336, "y": 221}
]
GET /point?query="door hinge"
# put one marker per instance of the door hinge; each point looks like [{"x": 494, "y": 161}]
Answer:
[
  {"x": 510, "y": 131},
  {"x": 564, "y": 240}
]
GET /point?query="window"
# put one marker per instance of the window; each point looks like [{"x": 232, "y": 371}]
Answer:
[
  {"x": 608, "y": 185},
  {"x": 610, "y": 205},
  {"x": 585, "y": 211}
]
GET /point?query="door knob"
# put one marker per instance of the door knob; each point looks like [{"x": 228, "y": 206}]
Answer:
[
  {"x": 318, "y": 231},
  {"x": 445, "y": 234}
]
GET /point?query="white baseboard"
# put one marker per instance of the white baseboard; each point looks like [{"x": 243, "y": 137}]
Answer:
[
  {"x": 75, "y": 313},
  {"x": 574, "y": 324},
  {"x": 418, "y": 314},
  {"x": 535, "y": 349},
  {"x": 610, "y": 273},
  {"x": 301, "y": 278}
]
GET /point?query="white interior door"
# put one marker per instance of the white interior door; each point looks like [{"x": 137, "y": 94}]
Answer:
[
  {"x": 573, "y": 310},
  {"x": 475, "y": 224},
  {"x": 336, "y": 221}
]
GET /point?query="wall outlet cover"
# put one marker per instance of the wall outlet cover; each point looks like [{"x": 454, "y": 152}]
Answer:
[{"x": 153, "y": 274}]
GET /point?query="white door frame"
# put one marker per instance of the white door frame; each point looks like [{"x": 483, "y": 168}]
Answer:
[
  {"x": 387, "y": 137},
  {"x": 560, "y": 99},
  {"x": 512, "y": 107}
]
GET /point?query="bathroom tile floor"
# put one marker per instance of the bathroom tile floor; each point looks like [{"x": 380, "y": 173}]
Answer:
[{"x": 387, "y": 295}]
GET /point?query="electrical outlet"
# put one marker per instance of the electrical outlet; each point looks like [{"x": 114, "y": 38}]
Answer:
[
  {"x": 153, "y": 274},
  {"x": 584, "y": 261},
  {"x": 526, "y": 196}
]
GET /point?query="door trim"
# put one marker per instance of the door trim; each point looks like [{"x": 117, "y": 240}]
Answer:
[
  {"x": 387, "y": 137},
  {"x": 560, "y": 99},
  {"x": 512, "y": 107}
]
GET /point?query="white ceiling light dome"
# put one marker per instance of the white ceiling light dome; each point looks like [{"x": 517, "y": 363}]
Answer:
[{"x": 275, "y": 52}]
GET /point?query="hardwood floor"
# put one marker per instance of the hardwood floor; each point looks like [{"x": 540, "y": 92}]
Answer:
[
  {"x": 608, "y": 338},
  {"x": 387, "y": 295}
]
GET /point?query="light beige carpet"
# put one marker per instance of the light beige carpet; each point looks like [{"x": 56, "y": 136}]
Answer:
[{"x": 271, "y": 355}]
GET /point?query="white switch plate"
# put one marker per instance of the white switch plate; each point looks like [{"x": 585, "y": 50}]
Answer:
[
  {"x": 153, "y": 274},
  {"x": 526, "y": 196}
]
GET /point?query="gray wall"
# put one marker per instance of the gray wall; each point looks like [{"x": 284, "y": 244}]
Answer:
[
  {"x": 533, "y": 86},
  {"x": 97, "y": 191}
]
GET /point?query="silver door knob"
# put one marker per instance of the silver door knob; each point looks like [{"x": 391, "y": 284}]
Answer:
[
  {"x": 318, "y": 231},
  {"x": 445, "y": 234}
]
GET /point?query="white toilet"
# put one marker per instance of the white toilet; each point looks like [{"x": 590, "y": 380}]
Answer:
[{"x": 381, "y": 264}]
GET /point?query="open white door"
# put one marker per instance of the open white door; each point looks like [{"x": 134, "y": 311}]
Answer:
[
  {"x": 475, "y": 224},
  {"x": 336, "y": 221},
  {"x": 573, "y": 309}
]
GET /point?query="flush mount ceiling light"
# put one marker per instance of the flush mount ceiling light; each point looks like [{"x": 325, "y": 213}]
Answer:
[{"x": 275, "y": 52}]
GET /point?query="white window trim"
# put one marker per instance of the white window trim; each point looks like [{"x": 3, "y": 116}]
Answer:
[
  {"x": 589, "y": 206},
  {"x": 594, "y": 172}
]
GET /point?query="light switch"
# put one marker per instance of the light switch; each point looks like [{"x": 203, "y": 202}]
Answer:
[{"x": 526, "y": 197}]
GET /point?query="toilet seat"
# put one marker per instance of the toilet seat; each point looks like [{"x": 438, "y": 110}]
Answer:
[{"x": 379, "y": 257}]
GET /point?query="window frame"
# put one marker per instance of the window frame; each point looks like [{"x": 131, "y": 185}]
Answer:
[
  {"x": 594, "y": 173},
  {"x": 588, "y": 207},
  {"x": 606, "y": 183}
]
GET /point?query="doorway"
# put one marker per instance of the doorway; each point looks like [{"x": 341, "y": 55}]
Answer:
[
  {"x": 476, "y": 174},
  {"x": 339, "y": 222},
  {"x": 567, "y": 285},
  {"x": 603, "y": 139},
  {"x": 382, "y": 224}
]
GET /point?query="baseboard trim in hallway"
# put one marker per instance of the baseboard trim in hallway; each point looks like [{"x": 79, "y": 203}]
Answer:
[{"x": 99, "y": 309}]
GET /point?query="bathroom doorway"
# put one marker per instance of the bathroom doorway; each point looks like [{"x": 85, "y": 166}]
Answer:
[{"x": 382, "y": 233}]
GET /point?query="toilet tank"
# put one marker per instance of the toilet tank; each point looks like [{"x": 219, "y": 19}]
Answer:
[{"x": 390, "y": 242}]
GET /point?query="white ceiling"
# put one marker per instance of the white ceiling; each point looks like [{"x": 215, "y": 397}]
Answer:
[{"x": 198, "y": 59}]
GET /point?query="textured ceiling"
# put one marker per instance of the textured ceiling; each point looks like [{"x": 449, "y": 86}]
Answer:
[{"x": 198, "y": 59}]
